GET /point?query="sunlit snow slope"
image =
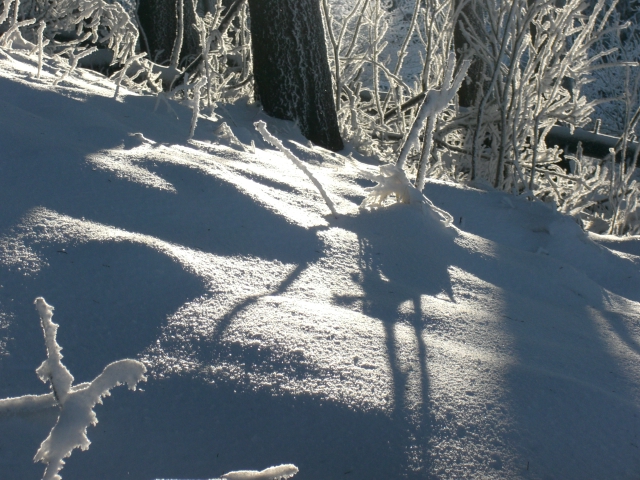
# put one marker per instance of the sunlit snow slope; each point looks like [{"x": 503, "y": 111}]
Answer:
[{"x": 377, "y": 345}]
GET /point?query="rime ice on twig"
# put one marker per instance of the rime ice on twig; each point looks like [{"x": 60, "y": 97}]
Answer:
[
  {"x": 262, "y": 128},
  {"x": 70, "y": 431},
  {"x": 52, "y": 368},
  {"x": 76, "y": 412},
  {"x": 435, "y": 101},
  {"x": 271, "y": 473}
]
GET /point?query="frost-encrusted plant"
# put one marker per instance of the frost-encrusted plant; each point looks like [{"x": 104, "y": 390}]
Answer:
[
  {"x": 222, "y": 71},
  {"x": 75, "y": 402},
  {"x": 75, "y": 28},
  {"x": 393, "y": 182},
  {"x": 377, "y": 88},
  {"x": 226, "y": 52},
  {"x": 435, "y": 101},
  {"x": 537, "y": 57},
  {"x": 70, "y": 30},
  {"x": 609, "y": 86}
]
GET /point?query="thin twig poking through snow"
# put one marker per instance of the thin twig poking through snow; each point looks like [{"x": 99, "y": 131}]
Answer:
[
  {"x": 262, "y": 128},
  {"x": 76, "y": 413},
  {"x": 271, "y": 473},
  {"x": 196, "y": 106}
]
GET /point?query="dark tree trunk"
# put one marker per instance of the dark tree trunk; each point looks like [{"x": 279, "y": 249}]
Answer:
[
  {"x": 470, "y": 87},
  {"x": 291, "y": 70},
  {"x": 159, "y": 21}
]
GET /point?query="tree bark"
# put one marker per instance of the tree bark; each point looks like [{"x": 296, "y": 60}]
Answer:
[
  {"x": 159, "y": 21},
  {"x": 470, "y": 87},
  {"x": 291, "y": 70}
]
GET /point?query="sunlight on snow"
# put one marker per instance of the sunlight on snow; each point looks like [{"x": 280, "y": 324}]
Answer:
[
  {"x": 353, "y": 373},
  {"x": 622, "y": 338},
  {"x": 80, "y": 86},
  {"x": 270, "y": 179}
]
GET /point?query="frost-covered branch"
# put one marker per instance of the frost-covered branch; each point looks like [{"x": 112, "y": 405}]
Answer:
[
  {"x": 76, "y": 403},
  {"x": 271, "y": 473},
  {"x": 262, "y": 128},
  {"x": 435, "y": 101},
  {"x": 52, "y": 369}
]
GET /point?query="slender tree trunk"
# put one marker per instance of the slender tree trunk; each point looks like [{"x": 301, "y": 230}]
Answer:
[
  {"x": 469, "y": 88},
  {"x": 291, "y": 70},
  {"x": 159, "y": 20}
]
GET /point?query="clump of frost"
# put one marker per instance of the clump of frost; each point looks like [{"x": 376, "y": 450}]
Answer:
[
  {"x": 393, "y": 181},
  {"x": 271, "y": 473},
  {"x": 76, "y": 402},
  {"x": 262, "y": 128}
]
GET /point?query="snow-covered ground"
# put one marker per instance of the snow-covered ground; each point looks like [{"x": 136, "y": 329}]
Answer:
[{"x": 381, "y": 344}]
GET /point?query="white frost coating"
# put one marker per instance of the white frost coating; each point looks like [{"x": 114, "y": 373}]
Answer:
[
  {"x": 262, "y": 128},
  {"x": 435, "y": 101},
  {"x": 196, "y": 106},
  {"x": 70, "y": 431},
  {"x": 271, "y": 473},
  {"x": 52, "y": 369},
  {"x": 27, "y": 403},
  {"x": 392, "y": 180},
  {"x": 76, "y": 414}
]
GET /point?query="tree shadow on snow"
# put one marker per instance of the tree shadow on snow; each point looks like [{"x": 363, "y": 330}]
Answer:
[
  {"x": 111, "y": 301},
  {"x": 393, "y": 278},
  {"x": 204, "y": 430}
]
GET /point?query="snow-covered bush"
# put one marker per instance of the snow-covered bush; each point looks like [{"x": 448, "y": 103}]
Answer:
[
  {"x": 378, "y": 94},
  {"x": 535, "y": 60},
  {"x": 537, "y": 57},
  {"x": 75, "y": 402},
  {"x": 102, "y": 33},
  {"x": 612, "y": 86},
  {"x": 74, "y": 28}
]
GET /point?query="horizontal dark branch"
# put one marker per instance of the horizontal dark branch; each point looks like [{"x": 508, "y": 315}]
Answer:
[{"x": 593, "y": 144}]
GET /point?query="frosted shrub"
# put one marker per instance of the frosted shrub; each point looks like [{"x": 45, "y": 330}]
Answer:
[
  {"x": 226, "y": 53},
  {"x": 75, "y": 402},
  {"x": 74, "y": 29},
  {"x": 536, "y": 59},
  {"x": 222, "y": 71},
  {"x": 435, "y": 101},
  {"x": 82, "y": 23},
  {"x": 610, "y": 85},
  {"x": 363, "y": 63}
]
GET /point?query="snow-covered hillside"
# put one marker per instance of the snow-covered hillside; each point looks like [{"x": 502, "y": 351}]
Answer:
[{"x": 380, "y": 344}]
